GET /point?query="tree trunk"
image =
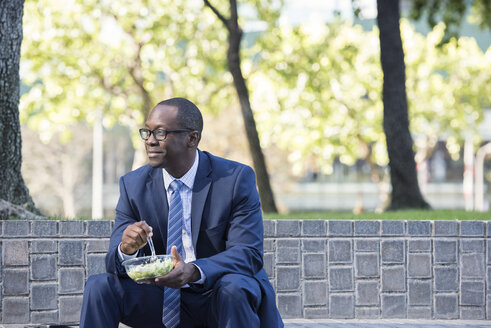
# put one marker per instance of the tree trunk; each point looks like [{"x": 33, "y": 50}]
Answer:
[
  {"x": 12, "y": 186},
  {"x": 405, "y": 188}
]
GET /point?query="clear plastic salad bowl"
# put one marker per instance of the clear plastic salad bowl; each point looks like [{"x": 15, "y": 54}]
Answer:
[{"x": 142, "y": 268}]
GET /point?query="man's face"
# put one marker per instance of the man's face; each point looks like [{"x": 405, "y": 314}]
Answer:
[{"x": 168, "y": 152}]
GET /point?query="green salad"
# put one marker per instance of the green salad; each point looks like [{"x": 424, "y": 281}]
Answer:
[{"x": 151, "y": 270}]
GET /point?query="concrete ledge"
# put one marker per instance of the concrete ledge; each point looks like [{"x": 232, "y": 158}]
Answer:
[{"x": 433, "y": 270}]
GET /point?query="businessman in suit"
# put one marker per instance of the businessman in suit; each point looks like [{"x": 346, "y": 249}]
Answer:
[{"x": 218, "y": 278}]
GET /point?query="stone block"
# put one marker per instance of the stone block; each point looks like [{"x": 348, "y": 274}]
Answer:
[
  {"x": 473, "y": 246},
  {"x": 340, "y": 251},
  {"x": 472, "y": 266},
  {"x": 269, "y": 228},
  {"x": 367, "y": 265},
  {"x": 367, "y": 228},
  {"x": 419, "y": 228},
  {"x": 290, "y": 305},
  {"x": 340, "y": 228},
  {"x": 288, "y": 278},
  {"x": 288, "y": 251},
  {"x": 72, "y": 228},
  {"x": 268, "y": 264},
  {"x": 15, "y": 310},
  {"x": 95, "y": 264},
  {"x": 15, "y": 282},
  {"x": 70, "y": 307},
  {"x": 393, "y": 279},
  {"x": 489, "y": 251},
  {"x": 43, "y": 267},
  {"x": 472, "y": 228},
  {"x": 314, "y": 228},
  {"x": 99, "y": 228},
  {"x": 314, "y": 265},
  {"x": 15, "y": 252},
  {"x": 446, "y": 306},
  {"x": 420, "y": 292},
  {"x": 288, "y": 228},
  {"x": 316, "y": 313},
  {"x": 47, "y": 317},
  {"x": 71, "y": 281},
  {"x": 342, "y": 306},
  {"x": 340, "y": 279},
  {"x": 367, "y": 245},
  {"x": 367, "y": 313},
  {"x": 393, "y": 251},
  {"x": 472, "y": 313},
  {"x": 419, "y": 245},
  {"x": 446, "y": 228},
  {"x": 393, "y": 228},
  {"x": 44, "y": 297},
  {"x": 419, "y": 312},
  {"x": 268, "y": 245},
  {"x": 97, "y": 246},
  {"x": 446, "y": 279},
  {"x": 419, "y": 266},
  {"x": 394, "y": 306},
  {"x": 44, "y": 228},
  {"x": 445, "y": 251},
  {"x": 314, "y": 245},
  {"x": 489, "y": 307},
  {"x": 16, "y": 228},
  {"x": 71, "y": 252},
  {"x": 314, "y": 293},
  {"x": 472, "y": 293},
  {"x": 367, "y": 293},
  {"x": 44, "y": 246}
]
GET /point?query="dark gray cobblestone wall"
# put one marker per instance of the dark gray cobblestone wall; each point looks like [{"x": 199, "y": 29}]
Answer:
[{"x": 319, "y": 269}]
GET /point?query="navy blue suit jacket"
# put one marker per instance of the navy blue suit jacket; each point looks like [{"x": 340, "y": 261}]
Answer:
[{"x": 226, "y": 223}]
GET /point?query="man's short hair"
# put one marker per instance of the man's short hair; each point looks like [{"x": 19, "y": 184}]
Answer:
[{"x": 188, "y": 114}]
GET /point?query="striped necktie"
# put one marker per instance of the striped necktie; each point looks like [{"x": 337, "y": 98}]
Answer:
[{"x": 172, "y": 297}]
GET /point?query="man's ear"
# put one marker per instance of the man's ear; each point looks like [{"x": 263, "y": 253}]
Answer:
[{"x": 193, "y": 139}]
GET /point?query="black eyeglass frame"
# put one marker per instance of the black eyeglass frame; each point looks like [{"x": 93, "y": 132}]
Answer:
[{"x": 150, "y": 132}]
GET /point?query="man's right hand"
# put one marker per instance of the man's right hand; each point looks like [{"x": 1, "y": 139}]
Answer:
[{"x": 135, "y": 237}]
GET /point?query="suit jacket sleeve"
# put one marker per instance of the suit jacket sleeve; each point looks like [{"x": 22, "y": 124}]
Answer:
[{"x": 244, "y": 238}]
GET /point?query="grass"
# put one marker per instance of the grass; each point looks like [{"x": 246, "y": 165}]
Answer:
[{"x": 393, "y": 215}]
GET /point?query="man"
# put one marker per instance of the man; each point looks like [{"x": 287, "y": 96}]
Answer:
[{"x": 218, "y": 277}]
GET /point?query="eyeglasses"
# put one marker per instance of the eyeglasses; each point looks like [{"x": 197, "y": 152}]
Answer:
[{"x": 159, "y": 134}]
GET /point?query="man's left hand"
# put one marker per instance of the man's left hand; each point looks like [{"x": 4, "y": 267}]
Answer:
[{"x": 182, "y": 274}]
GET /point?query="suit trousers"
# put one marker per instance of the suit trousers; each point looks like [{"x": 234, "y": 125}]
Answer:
[{"x": 233, "y": 302}]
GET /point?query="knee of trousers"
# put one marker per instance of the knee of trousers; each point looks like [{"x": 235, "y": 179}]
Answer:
[
  {"x": 233, "y": 287},
  {"x": 99, "y": 285}
]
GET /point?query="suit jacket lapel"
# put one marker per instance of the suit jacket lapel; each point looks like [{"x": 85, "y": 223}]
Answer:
[
  {"x": 159, "y": 199},
  {"x": 201, "y": 187}
]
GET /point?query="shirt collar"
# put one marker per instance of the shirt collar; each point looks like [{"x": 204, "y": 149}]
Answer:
[{"x": 187, "y": 179}]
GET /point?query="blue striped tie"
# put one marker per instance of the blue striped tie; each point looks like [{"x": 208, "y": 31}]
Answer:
[{"x": 172, "y": 297}]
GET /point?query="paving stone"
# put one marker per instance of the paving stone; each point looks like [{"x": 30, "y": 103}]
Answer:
[
  {"x": 15, "y": 310},
  {"x": 446, "y": 228},
  {"x": 472, "y": 228},
  {"x": 367, "y": 245},
  {"x": 71, "y": 281},
  {"x": 446, "y": 279},
  {"x": 367, "y": 293},
  {"x": 268, "y": 245},
  {"x": 288, "y": 278},
  {"x": 290, "y": 305},
  {"x": 473, "y": 266},
  {"x": 367, "y": 265},
  {"x": 419, "y": 266},
  {"x": 367, "y": 228},
  {"x": 288, "y": 228},
  {"x": 96, "y": 264},
  {"x": 44, "y": 228},
  {"x": 97, "y": 246},
  {"x": 71, "y": 252},
  {"x": 419, "y": 245},
  {"x": 70, "y": 307},
  {"x": 420, "y": 292},
  {"x": 99, "y": 228},
  {"x": 44, "y": 317},
  {"x": 393, "y": 279},
  {"x": 342, "y": 306},
  {"x": 472, "y": 313},
  {"x": 419, "y": 312},
  {"x": 445, "y": 251},
  {"x": 419, "y": 228},
  {"x": 314, "y": 265},
  {"x": 44, "y": 246},
  {"x": 393, "y": 228},
  {"x": 15, "y": 252},
  {"x": 340, "y": 279},
  {"x": 269, "y": 228},
  {"x": 315, "y": 293},
  {"x": 340, "y": 228},
  {"x": 473, "y": 246},
  {"x": 367, "y": 313},
  {"x": 15, "y": 282},
  {"x": 393, "y": 306},
  {"x": 43, "y": 267},
  {"x": 472, "y": 293},
  {"x": 16, "y": 228},
  {"x": 44, "y": 297},
  {"x": 446, "y": 306},
  {"x": 288, "y": 251},
  {"x": 393, "y": 251},
  {"x": 72, "y": 228},
  {"x": 314, "y": 245},
  {"x": 314, "y": 228},
  {"x": 340, "y": 251},
  {"x": 316, "y": 313},
  {"x": 268, "y": 264}
]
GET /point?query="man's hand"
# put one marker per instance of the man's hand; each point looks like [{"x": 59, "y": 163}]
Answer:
[
  {"x": 135, "y": 237},
  {"x": 182, "y": 274}
]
